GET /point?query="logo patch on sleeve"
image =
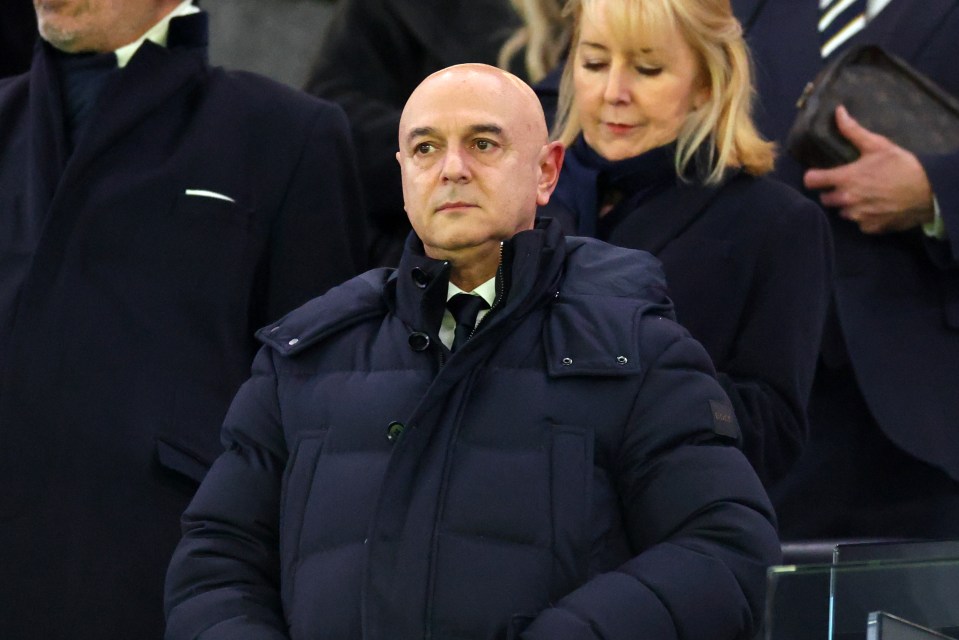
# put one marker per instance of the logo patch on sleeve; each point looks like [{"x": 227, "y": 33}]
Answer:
[{"x": 724, "y": 420}]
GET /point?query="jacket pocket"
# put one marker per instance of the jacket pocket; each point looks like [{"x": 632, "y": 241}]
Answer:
[
  {"x": 205, "y": 207},
  {"x": 211, "y": 252},
  {"x": 181, "y": 460},
  {"x": 295, "y": 493},
  {"x": 571, "y": 484}
]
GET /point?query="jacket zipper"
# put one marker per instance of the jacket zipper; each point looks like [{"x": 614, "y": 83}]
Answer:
[{"x": 499, "y": 293}]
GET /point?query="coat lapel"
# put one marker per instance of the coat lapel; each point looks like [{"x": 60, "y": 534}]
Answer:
[
  {"x": 904, "y": 27},
  {"x": 49, "y": 150},
  {"x": 665, "y": 216},
  {"x": 152, "y": 76},
  {"x": 747, "y": 11}
]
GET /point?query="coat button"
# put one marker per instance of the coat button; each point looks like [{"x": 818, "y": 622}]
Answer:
[
  {"x": 420, "y": 277},
  {"x": 622, "y": 359},
  {"x": 293, "y": 341},
  {"x": 567, "y": 361},
  {"x": 394, "y": 431},
  {"x": 419, "y": 341}
]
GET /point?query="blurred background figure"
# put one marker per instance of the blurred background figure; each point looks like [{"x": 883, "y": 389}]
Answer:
[
  {"x": 539, "y": 48},
  {"x": 883, "y": 458},
  {"x": 663, "y": 156},
  {"x": 375, "y": 52},
  {"x": 277, "y": 38}
]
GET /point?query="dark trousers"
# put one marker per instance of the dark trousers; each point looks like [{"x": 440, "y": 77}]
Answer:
[{"x": 852, "y": 481}]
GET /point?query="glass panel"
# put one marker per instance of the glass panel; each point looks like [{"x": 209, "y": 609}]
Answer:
[{"x": 833, "y": 602}]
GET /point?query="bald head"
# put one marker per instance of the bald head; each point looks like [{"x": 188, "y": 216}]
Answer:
[
  {"x": 476, "y": 161},
  {"x": 519, "y": 102}
]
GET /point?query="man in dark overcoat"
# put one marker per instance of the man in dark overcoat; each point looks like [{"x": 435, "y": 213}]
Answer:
[
  {"x": 508, "y": 436},
  {"x": 883, "y": 455},
  {"x": 153, "y": 212}
]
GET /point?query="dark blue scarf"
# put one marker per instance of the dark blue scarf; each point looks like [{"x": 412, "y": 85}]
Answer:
[
  {"x": 82, "y": 78},
  {"x": 588, "y": 181}
]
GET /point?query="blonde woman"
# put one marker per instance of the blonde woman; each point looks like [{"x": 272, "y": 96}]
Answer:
[{"x": 663, "y": 156}]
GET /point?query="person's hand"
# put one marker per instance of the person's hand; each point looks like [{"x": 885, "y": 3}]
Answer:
[{"x": 884, "y": 190}]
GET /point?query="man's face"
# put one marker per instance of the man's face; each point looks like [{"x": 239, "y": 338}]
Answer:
[
  {"x": 78, "y": 26},
  {"x": 472, "y": 160}
]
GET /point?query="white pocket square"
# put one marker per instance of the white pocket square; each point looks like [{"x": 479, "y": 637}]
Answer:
[{"x": 203, "y": 193}]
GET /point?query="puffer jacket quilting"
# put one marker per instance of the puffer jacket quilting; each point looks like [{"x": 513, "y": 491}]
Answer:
[{"x": 561, "y": 474}]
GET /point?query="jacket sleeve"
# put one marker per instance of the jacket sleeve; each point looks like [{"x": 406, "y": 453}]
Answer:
[
  {"x": 942, "y": 171},
  {"x": 317, "y": 239},
  {"x": 769, "y": 370},
  {"x": 223, "y": 580},
  {"x": 695, "y": 512}
]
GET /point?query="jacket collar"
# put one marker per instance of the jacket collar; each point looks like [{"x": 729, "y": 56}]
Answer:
[
  {"x": 530, "y": 268},
  {"x": 416, "y": 292}
]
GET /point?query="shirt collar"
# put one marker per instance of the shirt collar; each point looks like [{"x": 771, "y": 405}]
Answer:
[
  {"x": 157, "y": 33},
  {"x": 487, "y": 291}
]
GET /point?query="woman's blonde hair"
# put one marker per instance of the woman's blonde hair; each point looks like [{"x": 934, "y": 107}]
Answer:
[
  {"x": 723, "y": 125},
  {"x": 543, "y": 38}
]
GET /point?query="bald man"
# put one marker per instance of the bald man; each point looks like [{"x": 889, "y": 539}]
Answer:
[{"x": 506, "y": 437}]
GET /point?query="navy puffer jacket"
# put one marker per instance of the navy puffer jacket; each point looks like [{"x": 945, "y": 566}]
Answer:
[{"x": 568, "y": 473}]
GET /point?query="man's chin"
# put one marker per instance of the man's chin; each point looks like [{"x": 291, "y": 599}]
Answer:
[{"x": 62, "y": 39}]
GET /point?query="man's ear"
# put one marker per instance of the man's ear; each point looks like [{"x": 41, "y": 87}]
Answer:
[{"x": 550, "y": 164}]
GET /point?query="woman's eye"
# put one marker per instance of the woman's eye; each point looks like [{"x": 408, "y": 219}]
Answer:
[
  {"x": 649, "y": 71},
  {"x": 594, "y": 65}
]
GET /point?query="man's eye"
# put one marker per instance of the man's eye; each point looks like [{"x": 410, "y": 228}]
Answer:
[
  {"x": 484, "y": 145},
  {"x": 423, "y": 148}
]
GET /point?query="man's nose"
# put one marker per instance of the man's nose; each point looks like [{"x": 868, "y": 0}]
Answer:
[{"x": 456, "y": 165}]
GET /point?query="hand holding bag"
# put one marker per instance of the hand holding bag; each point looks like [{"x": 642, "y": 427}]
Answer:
[{"x": 885, "y": 95}]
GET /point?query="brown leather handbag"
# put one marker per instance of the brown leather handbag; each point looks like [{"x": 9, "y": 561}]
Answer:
[{"x": 885, "y": 95}]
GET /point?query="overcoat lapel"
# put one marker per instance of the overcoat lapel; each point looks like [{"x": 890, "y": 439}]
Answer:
[
  {"x": 747, "y": 11},
  {"x": 922, "y": 18},
  {"x": 665, "y": 216},
  {"x": 49, "y": 150},
  {"x": 153, "y": 75}
]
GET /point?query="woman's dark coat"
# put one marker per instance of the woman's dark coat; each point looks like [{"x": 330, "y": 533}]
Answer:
[
  {"x": 747, "y": 265},
  {"x": 566, "y": 474}
]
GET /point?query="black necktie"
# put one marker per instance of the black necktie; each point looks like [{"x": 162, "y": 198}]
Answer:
[
  {"x": 464, "y": 307},
  {"x": 839, "y": 20}
]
